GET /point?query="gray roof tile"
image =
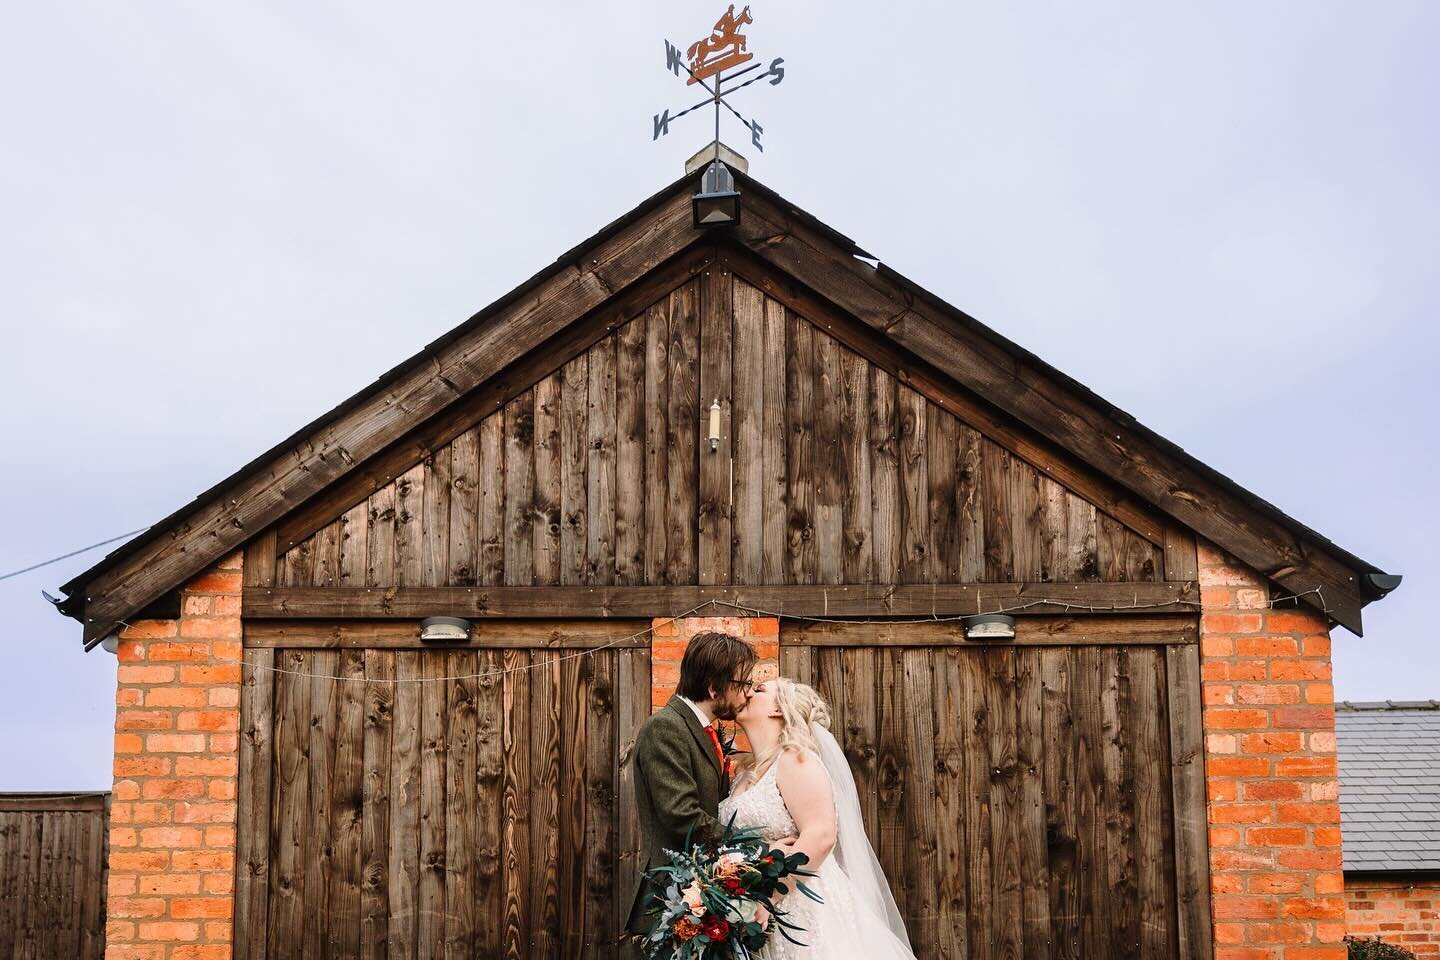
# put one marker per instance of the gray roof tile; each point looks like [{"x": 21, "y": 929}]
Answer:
[{"x": 1390, "y": 784}]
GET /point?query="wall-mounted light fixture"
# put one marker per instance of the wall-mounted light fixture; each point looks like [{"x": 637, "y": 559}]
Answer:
[
  {"x": 445, "y": 628},
  {"x": 715, "y": 425},
  {"x": 989, "y": 626}
]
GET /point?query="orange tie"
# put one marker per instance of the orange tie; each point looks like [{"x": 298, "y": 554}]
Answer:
[{"x": 715, "y": 740}]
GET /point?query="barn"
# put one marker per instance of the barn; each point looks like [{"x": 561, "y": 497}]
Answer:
[{"x": 758, "y": 424}]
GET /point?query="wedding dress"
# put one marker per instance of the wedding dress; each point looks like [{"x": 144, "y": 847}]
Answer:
[{"x": 857, "y": 918}]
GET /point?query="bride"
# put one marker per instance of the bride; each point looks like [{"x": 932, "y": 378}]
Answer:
[{"x": 798, "y": 784}]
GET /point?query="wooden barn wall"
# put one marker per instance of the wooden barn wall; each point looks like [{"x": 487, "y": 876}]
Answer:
[
  {"x": 1028, "y": 801},
  {"x": 830, "y": 471},
  {"x": 404, "y": 803},
  {"x": 52, "y": 876}
]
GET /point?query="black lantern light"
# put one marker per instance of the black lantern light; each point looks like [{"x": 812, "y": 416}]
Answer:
[{"x": 718, "y": 203}]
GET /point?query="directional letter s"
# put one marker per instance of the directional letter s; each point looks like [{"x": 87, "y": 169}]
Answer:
[
  {"x": 662, "y": 125},
  {"x": 777, "y": 71}
]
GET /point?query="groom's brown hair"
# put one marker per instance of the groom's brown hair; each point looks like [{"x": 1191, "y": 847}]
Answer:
[{"x": 713, "y": 660}]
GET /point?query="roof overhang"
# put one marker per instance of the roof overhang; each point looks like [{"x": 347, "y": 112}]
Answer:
[{"x": 595, "y": 276}]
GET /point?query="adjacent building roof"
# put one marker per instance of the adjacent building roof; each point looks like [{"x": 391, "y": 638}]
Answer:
[{"x": 1390, "y": 784}]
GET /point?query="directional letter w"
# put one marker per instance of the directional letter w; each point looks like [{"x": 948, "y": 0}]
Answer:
[{"x": 673, "y": 62}]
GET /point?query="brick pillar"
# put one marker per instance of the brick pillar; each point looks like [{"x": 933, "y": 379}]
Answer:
[
  {"x": 1271, "y": 774},
  {"x": 172, "y": 818},
  {"x": 671, "y": 637}
]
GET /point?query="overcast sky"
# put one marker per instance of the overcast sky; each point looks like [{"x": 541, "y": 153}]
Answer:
[{"x": 218, "y": 220}]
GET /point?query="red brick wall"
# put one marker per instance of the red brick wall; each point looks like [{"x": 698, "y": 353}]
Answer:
[
  {"x": 671, "y": 637},
  {"x": 1405, "y": 912},
  {"x": 172, "y": 819},
  {"x": 1271, "y": 775}
]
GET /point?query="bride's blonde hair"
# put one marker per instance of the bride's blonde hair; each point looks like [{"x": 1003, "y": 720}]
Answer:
[{"x": 800, "y": 705}]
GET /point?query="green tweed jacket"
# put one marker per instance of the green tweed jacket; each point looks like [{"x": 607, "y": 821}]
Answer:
[{"x": 678, "y": 785}]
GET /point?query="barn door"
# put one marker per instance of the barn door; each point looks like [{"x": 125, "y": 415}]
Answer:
[
  {"x": 1021, "y": 799},
  {"x": 468, "y": 809}
]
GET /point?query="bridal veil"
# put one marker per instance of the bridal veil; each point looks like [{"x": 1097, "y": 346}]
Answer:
[{"x": 853, "y": 852}]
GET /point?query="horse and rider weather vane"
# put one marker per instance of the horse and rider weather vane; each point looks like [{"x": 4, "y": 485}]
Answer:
[{"x": 724, "y": 49}]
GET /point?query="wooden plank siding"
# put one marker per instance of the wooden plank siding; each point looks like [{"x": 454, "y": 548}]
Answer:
[
  {"x": 441, "y": 803},
  {"x": 1037, "y": 798},
  {"x": 827, "y": 471},
  {"x": 52, "y": 875},
  {"x": 1022, "y": 799}
]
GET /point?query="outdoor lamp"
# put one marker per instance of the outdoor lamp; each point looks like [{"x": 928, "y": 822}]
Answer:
[
  {"x": 717, "y": 204},
  {"x": 444, "y": 628},
  {"x": 715, "y": 425},
  {"x": 989, "y": 626}
]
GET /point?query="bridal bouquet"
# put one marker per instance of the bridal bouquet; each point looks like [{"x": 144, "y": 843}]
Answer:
[{"x": 711, "y": 895}]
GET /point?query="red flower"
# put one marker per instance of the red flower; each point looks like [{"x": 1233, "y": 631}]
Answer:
[
  {"x": 716, "y": 929},
  {"x": 732, "y": 884},
  {"x": 767, "y": 859}
]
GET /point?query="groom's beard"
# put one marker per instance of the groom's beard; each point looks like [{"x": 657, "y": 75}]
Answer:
[{"x": 725, "y": 711}]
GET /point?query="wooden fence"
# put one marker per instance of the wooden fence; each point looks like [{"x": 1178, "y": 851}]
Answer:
[{"x": 52, "y": 875}]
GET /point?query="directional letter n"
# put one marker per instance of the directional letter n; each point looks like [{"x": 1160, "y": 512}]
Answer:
[{"x": 662, "y": 125}]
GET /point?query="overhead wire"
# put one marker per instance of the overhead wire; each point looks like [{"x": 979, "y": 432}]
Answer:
[{"x": 72, "y": 553}]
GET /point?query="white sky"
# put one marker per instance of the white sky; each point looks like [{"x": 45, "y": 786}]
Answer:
[{"x": 219, "y": 220}]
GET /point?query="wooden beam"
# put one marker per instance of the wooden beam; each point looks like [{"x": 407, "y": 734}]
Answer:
[
  {"x": 427, "y": 384},
  {"x": 715, "y": 466},
  {"x": 1043, "y": 630},
  {"x": 256, "y": 770},
  {"x": 1038, "y": 397},
  {"x": 51, "y": 802},
  {"x": 836, "y": 600},
  {"x": 1187, "y": 779},
  {"x": 484, "y": 635}
]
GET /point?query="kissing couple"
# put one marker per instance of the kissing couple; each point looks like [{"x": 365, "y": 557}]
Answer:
[{"x": 794, "y": 789}]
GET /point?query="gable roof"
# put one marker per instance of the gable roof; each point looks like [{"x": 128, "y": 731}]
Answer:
[
  {"x": 598, "y": 275},
  {"x": 1389, "y": 784}
]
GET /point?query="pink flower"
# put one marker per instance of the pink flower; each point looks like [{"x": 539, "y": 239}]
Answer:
[
  {"x": 728, "y": 865},
  {"x": 693, "y": 899}
]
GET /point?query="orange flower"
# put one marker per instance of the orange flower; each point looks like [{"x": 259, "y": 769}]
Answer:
[
  {"x": 694, "y": 900},
  {"x": 686, "y": 929}
]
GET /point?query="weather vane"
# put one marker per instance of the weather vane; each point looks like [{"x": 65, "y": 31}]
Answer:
[{"x": 709, "y": 57}]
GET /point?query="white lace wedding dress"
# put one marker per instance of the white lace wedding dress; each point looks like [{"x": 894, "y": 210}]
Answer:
[{"x": 855, "y": 921}]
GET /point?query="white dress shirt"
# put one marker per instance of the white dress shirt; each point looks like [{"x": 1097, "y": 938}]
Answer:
[{"x": 705, "y": 719}]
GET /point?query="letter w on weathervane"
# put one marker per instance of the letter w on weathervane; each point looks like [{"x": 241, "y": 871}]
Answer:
[{"x": 723, "y": 49}]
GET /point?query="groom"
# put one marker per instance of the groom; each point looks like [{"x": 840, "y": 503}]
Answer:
[{"x": 679, "y": 765}]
